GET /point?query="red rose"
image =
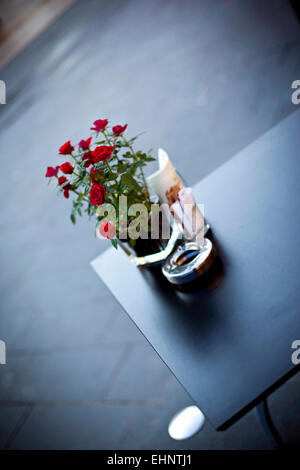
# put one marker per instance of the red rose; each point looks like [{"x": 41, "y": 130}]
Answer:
[
  {"x": 66, "y": 193},
  {"x": 117, "y": 130},
  {"x": 85, "y": 144},
  {"x": 107, "y": 230},
  {"x": 67, "y": 168},
  {"x": 97, "y": 194},
  {"x": 102, "y": 153},
  {"x": 62, "y": 180},
  {"x": 66, "y": 149},
  {"x": 51, "y": 171},
  {"x": 99, "y": 125},
  {"x": 88, "y": 157}
]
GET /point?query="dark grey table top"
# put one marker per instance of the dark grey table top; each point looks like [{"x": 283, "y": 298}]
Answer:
[{"x": 229, "y": 341}]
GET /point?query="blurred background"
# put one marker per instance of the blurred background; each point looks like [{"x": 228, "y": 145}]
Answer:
[{"x": 204, "y": 79}]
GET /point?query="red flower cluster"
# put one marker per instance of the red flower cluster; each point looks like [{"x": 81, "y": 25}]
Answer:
[
  {"x": 67, "y": 168},
  {"x": 51, "y": 171},
  {"x": 102, "y": 153},
  {"x": 97, "y": 194},
  {"x": 66, "y": 149},
  {"x": 99, "y": 125},
  {"x": 117, "y": 130},
  {"x": 92, "y": 186}
]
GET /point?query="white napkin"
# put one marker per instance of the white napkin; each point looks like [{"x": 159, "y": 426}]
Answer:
[
  {"x": 169, "y": 188},
  {"x": 164, "y": 178}
]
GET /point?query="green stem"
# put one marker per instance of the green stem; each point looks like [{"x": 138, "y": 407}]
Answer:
[
  {"x": 74, "y": 158},
  {"x": 129, "y": 145},
  {"x": 141, "y": 169},
  {"x": 78, "y": 194},
  {"x": 114, "y": 144},
  {"x": 106, "y": 137},
  {"x": 110, "y": 170}
]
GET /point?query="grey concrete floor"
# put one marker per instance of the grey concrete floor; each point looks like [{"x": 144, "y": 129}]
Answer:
[{"x": 204, "y": 79}]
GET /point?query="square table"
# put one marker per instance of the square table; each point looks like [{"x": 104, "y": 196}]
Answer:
[{"x": 229, "y": 343}]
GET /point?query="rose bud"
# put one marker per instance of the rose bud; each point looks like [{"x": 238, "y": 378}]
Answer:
[
  {"x": 85, "y": 144},
  {"x": 67, "y": 168},
  {"x": 99, "y": 125},
  {"x": 66, "y": 149},
  {"x": 52, "y": 171},
  {"x": 117, "y": 130}
]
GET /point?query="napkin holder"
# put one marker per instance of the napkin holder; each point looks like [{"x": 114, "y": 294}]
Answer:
[{"x": 191, "y": 257}]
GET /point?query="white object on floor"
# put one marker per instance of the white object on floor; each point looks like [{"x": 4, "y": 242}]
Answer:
[{"x": 186, "y": 423}]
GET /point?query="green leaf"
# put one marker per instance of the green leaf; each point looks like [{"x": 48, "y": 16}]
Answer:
[
  {"x": 73, "y": 218},
  {"x": 129, "y": 182},
  {"x": 134, "y": 138},
  {"x": 114, "y": 243},
  {"x": 149, "y": 159},
  {"x": 127, "y": 155}
]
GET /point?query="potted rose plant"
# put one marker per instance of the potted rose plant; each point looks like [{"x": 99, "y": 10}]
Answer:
[{"x": 99, "y": 170}]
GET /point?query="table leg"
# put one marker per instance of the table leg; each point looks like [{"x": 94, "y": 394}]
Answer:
[
  {"x": 186, "y": 423},
  {"x": 265, "y": 420}
]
